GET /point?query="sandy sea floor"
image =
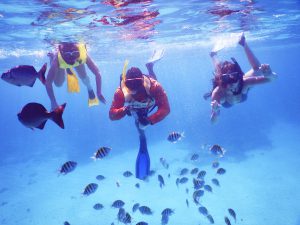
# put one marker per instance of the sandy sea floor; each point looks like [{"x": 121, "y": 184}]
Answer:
[{"x": 262, "y": 188}]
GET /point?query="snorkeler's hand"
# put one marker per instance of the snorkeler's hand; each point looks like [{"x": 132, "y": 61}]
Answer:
[
  {"x": 101, "y": 98},
  {"x": 215, "y": 111},
  {"x": 127, "y": 110}
]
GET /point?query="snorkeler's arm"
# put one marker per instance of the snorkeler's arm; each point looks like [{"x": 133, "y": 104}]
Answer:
[
  {"x": 49, "y": 81},
  {"x": 117, "y": 109},
  {"x": 95, "y": 70},
  {"x": 162, "y": 102},
  {"x": 215, "y": 104}
]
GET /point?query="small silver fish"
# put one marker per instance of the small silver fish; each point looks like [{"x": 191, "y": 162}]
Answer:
[
  {"x": 232, "y": 213},
  {"x": 90, "y": 189},
  {"x": 101, "y": 153},
  {"x": 175, "y": 136}
]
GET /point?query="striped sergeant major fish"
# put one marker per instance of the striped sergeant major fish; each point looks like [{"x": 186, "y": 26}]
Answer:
[
  {"x": 90, "y": 189},
  {"x": 101, "y": 153},
  {"x": 175, "y": 136},
  {"x": 67, "y": 167}
]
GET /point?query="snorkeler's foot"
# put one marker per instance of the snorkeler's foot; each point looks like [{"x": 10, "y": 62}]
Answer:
[
  {"x": 93, "y": 100},
  {"x": 156, "y": 56},
  {"x": 242, "y": 40}
]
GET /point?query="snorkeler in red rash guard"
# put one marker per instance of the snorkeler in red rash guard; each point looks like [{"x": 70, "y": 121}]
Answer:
[{"x": 138, "y": 95}]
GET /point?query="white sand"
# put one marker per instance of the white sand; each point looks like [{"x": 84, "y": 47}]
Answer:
[{"x": 262, "y": 189}]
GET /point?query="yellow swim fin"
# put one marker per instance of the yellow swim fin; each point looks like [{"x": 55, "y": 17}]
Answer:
[
  {"x": 72, "y": 80},
  {"x": 93, "y": 100}
]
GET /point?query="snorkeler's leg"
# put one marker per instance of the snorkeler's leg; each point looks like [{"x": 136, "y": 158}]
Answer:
[
  {"x": 59, "y": 78},
  {"x": 157, "y": 55},
  {"x": 255, "y": 64},
  {"x": 151, "y": 73},
  {"x": 81, "y": 72}
]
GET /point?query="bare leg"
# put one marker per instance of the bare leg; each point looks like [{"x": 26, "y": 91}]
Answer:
[
  {"x": 83, "y": 76},
  {"x": 250, "y": 55},
  {"x": 59, "y": 78},
  {"x": 150, "y": 70}
]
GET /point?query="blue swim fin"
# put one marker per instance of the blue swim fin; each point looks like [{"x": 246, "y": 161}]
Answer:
[{"x": 142, "y": 166}]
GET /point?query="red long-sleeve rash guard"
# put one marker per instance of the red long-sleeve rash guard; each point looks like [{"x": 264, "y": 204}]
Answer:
[{"x": 117, "y": 112}]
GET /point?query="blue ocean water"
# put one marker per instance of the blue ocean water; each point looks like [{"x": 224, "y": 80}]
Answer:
[{"x": 261, "y": 135}]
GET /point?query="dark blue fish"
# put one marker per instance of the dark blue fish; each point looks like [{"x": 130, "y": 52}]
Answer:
[
  {"x": 161, "y": 181},
  {"x": 101, "y": 153},
  {"x": 135, "y": 207},
  {"x": 232, "y": 213},
  {"x": 121, "y": 214},
  {"x": 142, "y": 223},
  {"x": 100, "y": 177},
  {"x": 175, "y": 136},
  {"x": 177, "y": 181},
  {"x": 126, "y": 219},
  {"x": 35, "y": 115},
  {"x": 145, "y": 210},
  {"x": 118, "y": 204},
  {"x": 187, "y": 203},
  {"x": 210, "y": 219},
  {"x": 221, "y": 171},
  {"x": 164, "y": 162},
  {"x": 195, "y": 157},
  {"x": 198, "y": 183},
  {"x": 167, "y": 212},
  {"x": 184, "y": 171},
  {"x": 197, "y": 195},
  {"x": 66, "y": 223},
  {"x": 227, "y": 221},
  {"x": 151, "y": 172},
  {"x": 183, "y": 180},
  {"x": 98, "y": 206},
  {"x": 207, "y": 188},
  {"x": 194, "y": 171},
  {"x": 217, "y": 150},
  {"x": 215, "y": 181},
  {"x": 203, "y": 210},
  {"x": 187, "y": 190},
  {"x": 137, "y": 185},
  {"x": 164, "y": 220},
  {"x": 90, "y": 189},
  {"x": 24, "y": 75},
  {"x": 201, "y": 174},
  {"x": 68, "y": 167},
  {"x": 127, "y": 174},
  {"x": 215, "y": 164}
]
